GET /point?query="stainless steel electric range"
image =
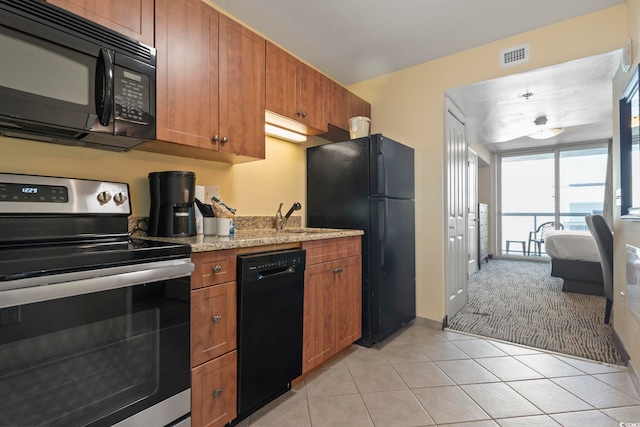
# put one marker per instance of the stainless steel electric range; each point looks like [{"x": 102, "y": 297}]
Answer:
[{"x": 94, "y": 325}]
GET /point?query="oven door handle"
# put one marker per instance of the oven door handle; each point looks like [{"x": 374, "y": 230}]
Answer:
[{"x": 148, "y": 273}]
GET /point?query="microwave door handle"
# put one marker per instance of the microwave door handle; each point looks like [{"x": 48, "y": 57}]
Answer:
[{"x": 104, "y": 100}]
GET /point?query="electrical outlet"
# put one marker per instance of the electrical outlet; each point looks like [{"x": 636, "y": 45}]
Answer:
[{"x": 9, "y": 315}]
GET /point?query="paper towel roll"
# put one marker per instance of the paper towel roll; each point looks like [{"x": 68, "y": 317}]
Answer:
[{"x": 200, "y": 195}]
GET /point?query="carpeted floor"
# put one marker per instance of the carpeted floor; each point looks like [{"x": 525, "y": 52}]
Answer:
[{"x": 519, "y": 302}]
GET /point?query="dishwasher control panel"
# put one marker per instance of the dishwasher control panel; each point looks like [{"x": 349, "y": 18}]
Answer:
[{"x": 268, "y": 261}]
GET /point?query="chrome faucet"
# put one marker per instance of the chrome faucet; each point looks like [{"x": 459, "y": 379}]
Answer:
[{"x": 281, "y": 221}]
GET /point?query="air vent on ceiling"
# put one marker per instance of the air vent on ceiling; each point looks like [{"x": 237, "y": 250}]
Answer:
[{"x": 514, "y": 55}]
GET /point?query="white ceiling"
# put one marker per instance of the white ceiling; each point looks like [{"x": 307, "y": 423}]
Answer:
[
  {"x": 576, "y": 96},
  {"x": 354, "y": 40}
]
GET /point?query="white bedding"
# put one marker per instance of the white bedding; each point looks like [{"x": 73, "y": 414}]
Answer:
[{"x": 573, "y": 245}]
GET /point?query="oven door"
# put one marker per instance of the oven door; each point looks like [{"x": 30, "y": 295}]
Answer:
[{"x": 97, "y": 351}]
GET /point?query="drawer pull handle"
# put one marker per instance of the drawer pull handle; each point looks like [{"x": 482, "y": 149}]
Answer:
[
  {"x": 217, "y": 268},
  {"x": 338, "y": 270},
  {"x": 217, "y": 392},
  {"x": 216, "y": 319}
]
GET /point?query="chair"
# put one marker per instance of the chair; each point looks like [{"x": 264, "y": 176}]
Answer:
[
  {"x": 537, "y": 237},
  {"x": 604, "y": 242}
]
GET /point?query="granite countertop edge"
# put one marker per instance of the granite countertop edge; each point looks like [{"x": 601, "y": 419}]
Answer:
[{"x": 252, "y": 238}]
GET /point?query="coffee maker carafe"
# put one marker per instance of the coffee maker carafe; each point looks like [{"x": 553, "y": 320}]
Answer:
[{"x": 172, "y": 211}]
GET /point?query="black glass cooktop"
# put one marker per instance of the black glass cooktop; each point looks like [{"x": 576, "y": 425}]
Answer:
[{"x": 30, "y": 260}]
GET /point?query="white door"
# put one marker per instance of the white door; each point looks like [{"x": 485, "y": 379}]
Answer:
[
  {"x": 472, "y": 217},
  {"x": 456, "y": 212}
]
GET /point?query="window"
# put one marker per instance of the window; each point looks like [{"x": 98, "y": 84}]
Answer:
[{"x": 560, "y": 185}]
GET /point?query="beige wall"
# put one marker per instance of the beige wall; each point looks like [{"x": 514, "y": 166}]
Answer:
[
  {"x": 253, "y": 188},
  {"x": 625, "y": 232},
  {"x": 408, "y": 106}
]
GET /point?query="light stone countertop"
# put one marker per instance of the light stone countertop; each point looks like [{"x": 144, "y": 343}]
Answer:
[{"x": 256, "y": 237}]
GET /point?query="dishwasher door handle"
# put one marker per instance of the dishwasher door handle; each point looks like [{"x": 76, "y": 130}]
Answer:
[{"x": 276, "y": 273}]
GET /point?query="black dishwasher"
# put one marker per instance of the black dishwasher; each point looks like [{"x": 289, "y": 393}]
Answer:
[{"x": 270, "y": 306}]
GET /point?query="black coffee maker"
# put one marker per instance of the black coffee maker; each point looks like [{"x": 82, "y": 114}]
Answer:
[{"x": 172, "y": 204}]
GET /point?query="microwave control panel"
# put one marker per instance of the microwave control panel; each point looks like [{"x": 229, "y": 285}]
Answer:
[{"x": 131, "y": 96}]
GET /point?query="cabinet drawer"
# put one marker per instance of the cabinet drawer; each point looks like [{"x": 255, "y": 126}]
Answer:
[
  {"x": 213, "y": 322},
  {"x": 214, "y": 391},
  {"x": 212, "y": 268},
  {"x": 331, "y": 249}
]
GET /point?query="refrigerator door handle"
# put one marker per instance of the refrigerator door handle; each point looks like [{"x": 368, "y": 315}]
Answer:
[
  {"x": 383, "y": 213},
  {"x": 382, "y": 174}
]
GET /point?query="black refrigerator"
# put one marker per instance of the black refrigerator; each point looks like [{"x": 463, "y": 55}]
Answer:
[{"x": 368, "y": 184}]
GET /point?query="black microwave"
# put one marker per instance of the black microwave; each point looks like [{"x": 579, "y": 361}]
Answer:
[{"x": 67, "y": 80}]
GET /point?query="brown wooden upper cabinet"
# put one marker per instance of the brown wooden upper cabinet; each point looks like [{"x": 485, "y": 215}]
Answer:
[
  {"x": 358, "y": 106},
  {"x": 210, "y": 84},
  {"x": 338, "y": 105},
  {"x": 295, "y": 90},
  {"x": 343, "y": 105},
  {"x": 133, "y": 18}
]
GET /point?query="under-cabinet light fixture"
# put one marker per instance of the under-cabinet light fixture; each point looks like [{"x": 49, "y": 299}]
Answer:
[{"x": 285, "y": 134}]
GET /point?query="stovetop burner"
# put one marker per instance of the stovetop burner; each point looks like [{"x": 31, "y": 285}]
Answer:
[{"x": 40, "y": 260}]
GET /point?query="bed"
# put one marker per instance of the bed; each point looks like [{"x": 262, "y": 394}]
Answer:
[{"x": 575, "y": 259}]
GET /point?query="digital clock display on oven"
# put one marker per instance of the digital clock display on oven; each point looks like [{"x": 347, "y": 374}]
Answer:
[{"x": 14, "y": 192}]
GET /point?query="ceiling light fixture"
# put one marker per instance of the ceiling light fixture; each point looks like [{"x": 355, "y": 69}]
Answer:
[
  {"x": 544, "y": 133},
  {"x": 285, "y": 134}
]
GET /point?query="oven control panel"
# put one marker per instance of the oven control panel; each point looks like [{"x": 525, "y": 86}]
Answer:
[{"x": 56, "y": 195}]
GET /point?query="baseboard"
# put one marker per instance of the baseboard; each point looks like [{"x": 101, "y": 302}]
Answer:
[
  {"x": 433, "y": 324},
  {"x": 620, "y": 346},
  {"x": 634, "y": 376}
]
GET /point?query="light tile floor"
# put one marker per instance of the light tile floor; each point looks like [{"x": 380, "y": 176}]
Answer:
[{"x": 424, "y": 377}]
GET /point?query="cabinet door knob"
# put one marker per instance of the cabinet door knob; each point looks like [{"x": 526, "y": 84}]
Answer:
[
  {"x": 217, "y": 268},
  {"x": 215, "y": 138},
  {"x": 299, "y": 113},
  {"x": 216, "y": 318},
  {"x": 217, "y": 392},
  {"x": 304, "y": 114},
  {"x": 338, "y": 270},
  {"x": 224, "y": 140}
]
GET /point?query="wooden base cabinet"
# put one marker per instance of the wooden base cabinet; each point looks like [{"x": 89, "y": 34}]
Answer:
[
  {"x": 214, "y": 393},
  {"x": 213, "y": 339},
  {"x": 348, "y": 293},
  {"x": 213, "y": 314},
  {"x": 332, "y": 298}
]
